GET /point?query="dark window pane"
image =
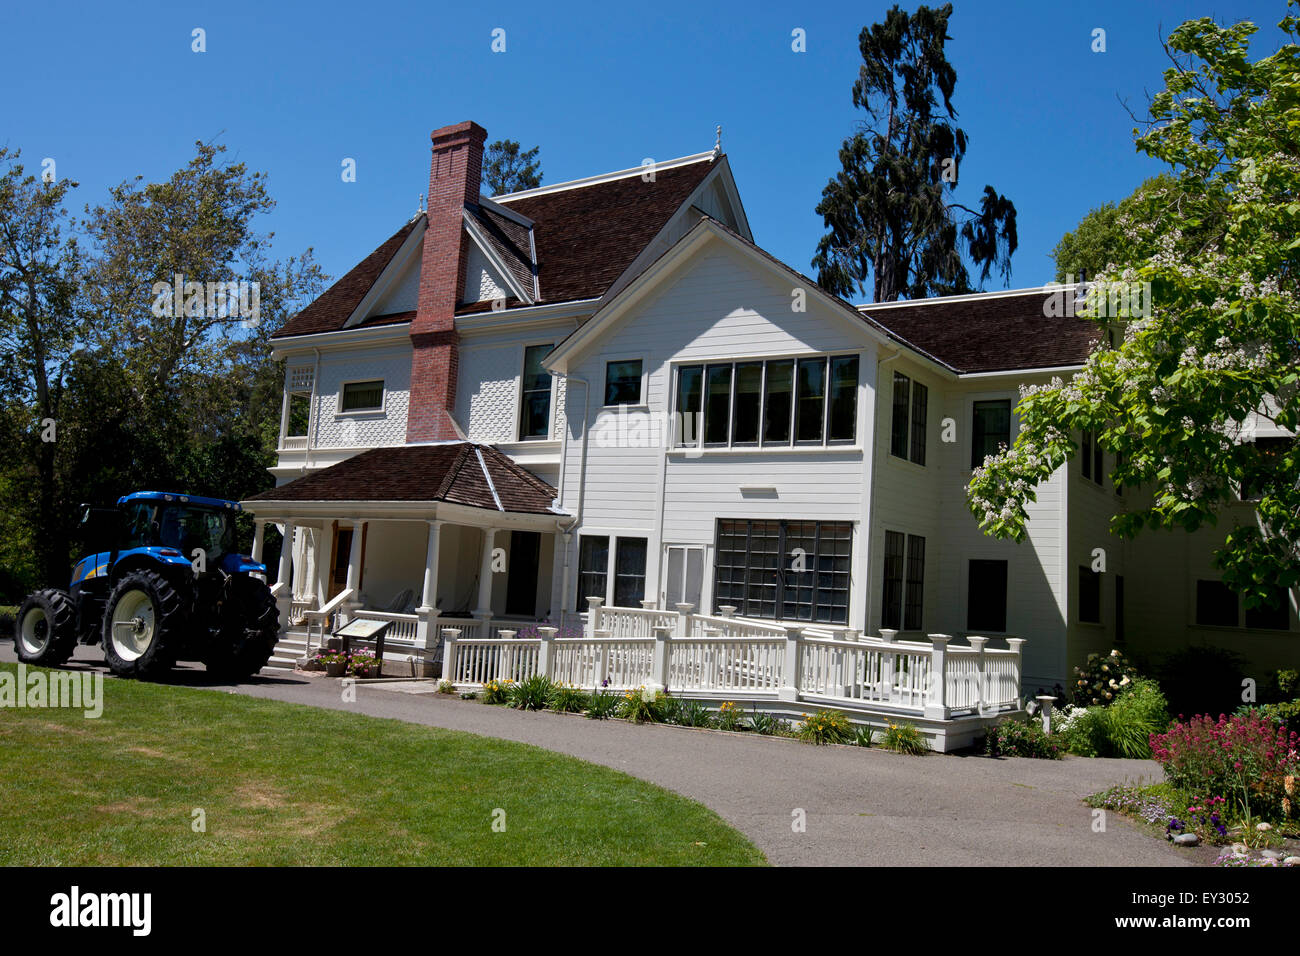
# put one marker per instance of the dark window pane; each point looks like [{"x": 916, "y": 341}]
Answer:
[
  {"x": 299, "y": 415},
  {"x": 759, "y": 571},
  {"x": 891, "y": 609},
  {"x": 1089, "y": 595},
  {"x": 1119, "y": 608},
  {"x": 629, "y": 572},
  {"x": 920, "y": 409},
  {"x": 1274, "y": 618},
  {"x": 986, "y": 596},
  {"x": 535, "y": 413},
  {"x": 992, "y": 428},
  {"x": 363, "y": 396},
  {"x": 749, "y": 395},
  {"x": 811, "y": 400},
  {"x": 777, "y": 403},
  {"x": 717, "y": 404},
  {"x": 844, "y": 398},
  {"x": 1085, "y": 453},
  {"x": 1216, "y": 604},
  {"x": 1098, "y": 462},
  {"x": 915, "y": 592},
  {"x": 898, "y": 426},
  {"x": 593, "y": 566},
  {"x": 623, "y": 382},
  {"x": 690, "y": 393}
]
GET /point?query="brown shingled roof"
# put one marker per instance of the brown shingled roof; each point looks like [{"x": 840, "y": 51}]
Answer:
[
  {"x": 510, "y": 241},
  {"x": 990, "y": 334},
  {"x": 451, "y": 472},
  {"x": 332, "y": 308}
]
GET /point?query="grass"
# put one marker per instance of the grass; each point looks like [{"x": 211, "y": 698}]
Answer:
[{"x": 286, "y": 785}]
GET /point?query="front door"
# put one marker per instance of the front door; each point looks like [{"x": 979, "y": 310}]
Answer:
[
  {"x": 521, "y": 580},
  {"x": 342, "y": 550}
]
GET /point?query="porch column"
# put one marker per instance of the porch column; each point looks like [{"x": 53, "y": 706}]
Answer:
[
  {"x": 354, "y": 568},
  {"x": 259, "y": 534},
  {"x": 484, "y": 609},
  {"x": 426, "y": 627},
  {"x": 284, "y": 577}
]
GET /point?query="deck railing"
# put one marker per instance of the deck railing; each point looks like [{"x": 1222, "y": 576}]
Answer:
[{"x": 725, "y": 657}]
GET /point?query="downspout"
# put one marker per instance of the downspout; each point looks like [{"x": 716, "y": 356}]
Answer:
[{"x": 567, "y": 531}]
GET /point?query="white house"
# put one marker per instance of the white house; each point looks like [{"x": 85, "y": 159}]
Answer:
[{"x": 604, "y": 389}]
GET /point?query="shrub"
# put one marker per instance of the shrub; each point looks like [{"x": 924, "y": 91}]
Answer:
[
  {"x": 730, "y": 717},
  {"x": 497, "y": 691},
  {"x": 642, "y": 706},
  {"x": 446, "y": 687},
  {"x": 1249, "y": 760},
  {"x": 825, "y": 727},
  {"x": 1100, "y": 679},
  {"x": 864, "y": 736},
  {"x": 568, "y": 699},
  {"x": 1014, "y": 738},
  {"x": 1128, "y": 724},
  {"x": 764, "y": 724},
  {"x": 905, "y": 739},
  {"x": 531, "y": 694},
  {"x": 1201, "y": 680},
  {"x": 694, "y": 714},
  {"x": 602, "y": 705}
]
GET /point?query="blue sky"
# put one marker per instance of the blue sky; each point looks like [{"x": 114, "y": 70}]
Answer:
[{"x": 113, "y": 90}]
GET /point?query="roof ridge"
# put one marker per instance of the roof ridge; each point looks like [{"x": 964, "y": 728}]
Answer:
[
  {"x": 585, "y": 181},
  {"x": 478, "y": 451},
  {"x": 450, "y": 475}
]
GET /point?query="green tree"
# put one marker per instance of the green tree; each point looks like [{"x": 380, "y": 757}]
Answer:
[
  {"x": 891, "y": 212},
  {"x": 508, "y": 168},
  {"x": 1220, "y": 341}
]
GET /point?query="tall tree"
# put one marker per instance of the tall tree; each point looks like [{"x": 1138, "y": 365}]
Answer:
[
  {"x": 1215, "y": 344},
  {"x": 508, "y": 168},
  {"x": 891, "y": 212}
]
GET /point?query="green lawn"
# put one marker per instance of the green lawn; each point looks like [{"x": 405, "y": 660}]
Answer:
[{"x": 283, "y": 784}]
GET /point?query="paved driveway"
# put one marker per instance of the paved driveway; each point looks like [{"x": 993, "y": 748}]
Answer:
[{"x": 862, "y": 807}]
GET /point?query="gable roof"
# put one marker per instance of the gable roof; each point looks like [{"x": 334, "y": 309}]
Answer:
[
  {"x": 463, "y": 473},
  {"x": 583, "y": 236},
  {"x": 990, "y": 332}
]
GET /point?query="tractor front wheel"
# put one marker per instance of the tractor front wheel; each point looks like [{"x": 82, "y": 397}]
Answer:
[
  {"x": 249, "y": 629},
  {"x": 143, "y": 622},
  {"x": 45, "y": 631}
]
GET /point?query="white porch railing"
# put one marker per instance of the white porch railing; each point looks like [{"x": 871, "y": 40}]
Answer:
[
  {"x": 324, "y": 617},
  {"x": 724, "y": 657},
  {"x": 402, "y": 628}
]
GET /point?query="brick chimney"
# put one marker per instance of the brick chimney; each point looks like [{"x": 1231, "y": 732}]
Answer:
[{"x": 453, "y": 181}]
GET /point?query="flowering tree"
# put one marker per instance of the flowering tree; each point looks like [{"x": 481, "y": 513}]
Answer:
[{"x": 1216, "y": 339}]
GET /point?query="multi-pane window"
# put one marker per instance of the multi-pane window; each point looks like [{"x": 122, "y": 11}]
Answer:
[
  {"x": 623, "y": 382},
  {"x": 1276, "y": 617},
  {"x": 1089, "y": 595},
  {"x": 810, "y": 401},
  {"x": 991, "y": 429},
  {"x": 593, "y": 567},
  {"x": 362, "y": 397},
  {"x": 1268, "y": 466},
  {"x": 1216, "y": 604},
  {"x": 629, "y": 572},
  {"x": 903, "y": 593},
  {"x": 907, "y": 430},
  {"x": 535, "y": 401},
  {"x": 1091, "y": 455},
  {"x": 986, "y": 596},
  {"x": 785, "y": 570}
]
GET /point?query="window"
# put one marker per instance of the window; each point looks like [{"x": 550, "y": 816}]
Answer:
[
  {"x": 808, "y": 402},
  {"x": 535, "y": 404},
  {"x": 1266, "y": 469},
  {"x": 784, "y": 570},
  {"x": 1089, "y": 595},
  {"x": 362, "y": 397},
  {"x": 1092, "y": 462},
  {"x": 1119, "y": 609},
  {"x": 904, "y": 582},
  {"x": 1216, "y": 604},
  {"x": 907, "y": 431},
  {"x": 299, "y": 415},
  {"x": 717, "y": 404},
  {"x": 685, "y": 576},
  {"x": 623, "y": 382},
  {"x": 1277, "y": 618},
  {"x": 629, "y": 572},
  {"x": 992, "y": 428},
  {"x": 986, "y": 596},
  {"x": 593, "y": 566}
]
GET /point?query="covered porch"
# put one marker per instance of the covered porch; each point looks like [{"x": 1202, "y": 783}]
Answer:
[{"x": 463, "y": 537}]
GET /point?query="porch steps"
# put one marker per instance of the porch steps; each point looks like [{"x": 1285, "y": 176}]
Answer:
[{"x": 287, "y": 652}]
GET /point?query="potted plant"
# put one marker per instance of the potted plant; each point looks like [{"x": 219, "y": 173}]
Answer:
[
  {"x": 336, "y": 663},
  {"x": 364, "y": 664}
]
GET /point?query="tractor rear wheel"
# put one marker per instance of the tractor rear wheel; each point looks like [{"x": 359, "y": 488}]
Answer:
[
  {"x": 249, "y": 623},
  {"x": 45, "y": 631},
  {"x": 144, "y": 622}
]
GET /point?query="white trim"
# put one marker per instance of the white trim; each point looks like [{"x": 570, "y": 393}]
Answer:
[
  {"x": 396, "y": 266},
  {"x": 605, "y": 177},
  {"x": 381, "y": 408},
  {"x": 480, "y": 323},
  {"x": 491, "y": 485},
  {"x": 505, "y": 211},
  {"x": 968, "y": 297},
  {"x": 1048, "y": 370},
  {"x": 476, "y": 233},
  {"x": 342, "y": 339}
]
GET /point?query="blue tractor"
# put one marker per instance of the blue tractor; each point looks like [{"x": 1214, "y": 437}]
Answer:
[{"x": 162, "y": 581}]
